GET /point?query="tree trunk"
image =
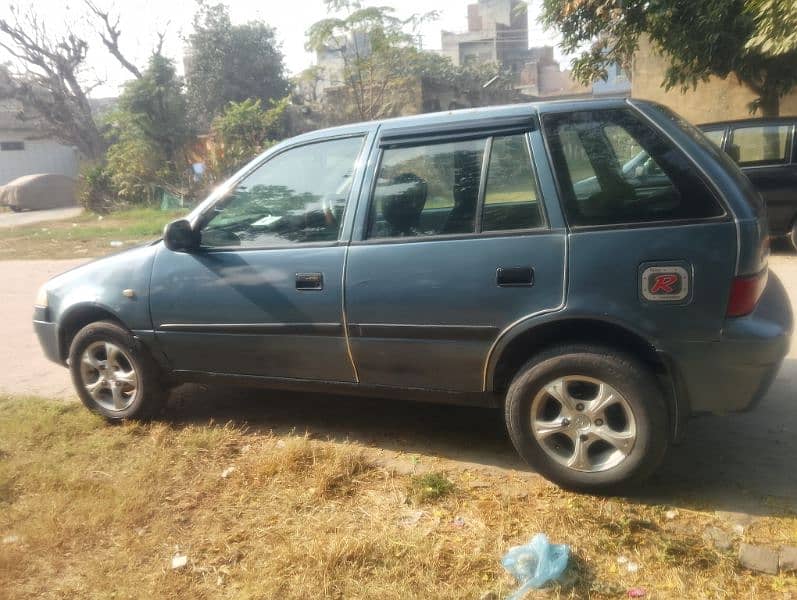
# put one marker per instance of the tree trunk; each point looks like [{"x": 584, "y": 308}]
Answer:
[{"x": 769, "y": 103}]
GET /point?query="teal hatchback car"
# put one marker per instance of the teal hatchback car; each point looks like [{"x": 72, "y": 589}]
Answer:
[{"x": 596, "y": 269}]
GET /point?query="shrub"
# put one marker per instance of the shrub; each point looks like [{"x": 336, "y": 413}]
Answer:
[{"x": 96, "y": 191}]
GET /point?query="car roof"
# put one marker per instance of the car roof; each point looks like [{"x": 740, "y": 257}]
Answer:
[
  {"x": 750, "y": 121},
  {"x": 471, "y": 117}
]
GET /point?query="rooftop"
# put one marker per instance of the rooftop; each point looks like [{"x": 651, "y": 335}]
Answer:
[{"x": 467, "y": 117}]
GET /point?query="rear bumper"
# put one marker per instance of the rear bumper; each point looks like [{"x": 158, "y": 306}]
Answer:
[
  {"x": 734, "y": 372},
  {"x": 48, "y": 338}
]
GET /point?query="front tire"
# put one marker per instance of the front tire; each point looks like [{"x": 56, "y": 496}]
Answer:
[
  {"x": 588, "y": 418},
  {"x": 113, "y": 373},
  {"x": 793, "y": 235}
]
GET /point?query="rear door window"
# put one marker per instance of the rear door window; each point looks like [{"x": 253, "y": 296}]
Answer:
[
  {"x": 615, "y": 168},
  {"x": 760, "y": 144},
  {"x": 427, "y": 190},
  {"x": 510, "y": 196}
]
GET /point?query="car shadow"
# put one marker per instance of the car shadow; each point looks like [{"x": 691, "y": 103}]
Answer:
[
  {"x": 739, "y": 463},
  {"x": 465, "y": 434}
]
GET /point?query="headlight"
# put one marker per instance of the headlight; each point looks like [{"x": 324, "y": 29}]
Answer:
[{"x": 41, "y": 297}]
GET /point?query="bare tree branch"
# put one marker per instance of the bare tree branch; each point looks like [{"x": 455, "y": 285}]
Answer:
[
  {"x": 110, "y": 37},
  {"x": 158, "y": 50},
  {"x": 46, "y": 79}
]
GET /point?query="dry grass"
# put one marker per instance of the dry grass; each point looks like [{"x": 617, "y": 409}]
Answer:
[
  {"x": 100, "y": 511},
  {"x": 84, "y": 236}
]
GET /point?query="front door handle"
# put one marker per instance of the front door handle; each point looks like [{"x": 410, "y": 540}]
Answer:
[
  {"x": 309, "y": 281},
  {"x": 514, "y": 276}
]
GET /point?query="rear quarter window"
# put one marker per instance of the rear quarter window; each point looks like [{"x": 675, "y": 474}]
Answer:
[{"x": 615, "y": 168}]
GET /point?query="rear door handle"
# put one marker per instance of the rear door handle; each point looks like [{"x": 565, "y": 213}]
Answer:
[
  {"x": 309, "y": 281},
  {"x": 514, "y": 276}
]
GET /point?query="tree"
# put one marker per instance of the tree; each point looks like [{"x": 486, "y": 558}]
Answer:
[
  {"x": 242, "y": 131},
  {"x": 699, "y": 39},
  {"x": 775, "y": 26},
  {"x": 230, "y": 63},
  {"x": 376, "y": 50},
  {"x": 307, "y": 82},
  {"x": 149, "y": 131},
  {"x": 46, "y": 77},
  {"x": 47, "y": 74},
  {"x": 156, "y": 106}
]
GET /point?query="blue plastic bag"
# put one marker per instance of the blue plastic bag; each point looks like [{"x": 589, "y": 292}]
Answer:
[{"x": 536, "y": 563}]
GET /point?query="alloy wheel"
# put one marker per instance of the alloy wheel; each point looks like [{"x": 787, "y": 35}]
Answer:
[
  {"x": 583, "y": 423},
  {"x": 109, "y": 376}
]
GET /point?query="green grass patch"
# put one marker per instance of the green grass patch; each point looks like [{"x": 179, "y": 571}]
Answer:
[
  {"x": 85, "y": 235},
  {"x": 430, "y": 486}
]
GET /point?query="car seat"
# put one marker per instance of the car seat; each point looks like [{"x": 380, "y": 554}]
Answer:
[{"x": 402, "y": 208}]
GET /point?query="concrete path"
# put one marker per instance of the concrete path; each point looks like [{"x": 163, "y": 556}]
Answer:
[
  {"x": 23, "y": 368},
  {"x": 29, "y": 217}
]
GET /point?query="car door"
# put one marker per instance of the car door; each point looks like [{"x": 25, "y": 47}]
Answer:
[
  {"x": 764, "y": 153},
  {"x": 262, "y": 296},
  {"x": 455, "y": 245}
]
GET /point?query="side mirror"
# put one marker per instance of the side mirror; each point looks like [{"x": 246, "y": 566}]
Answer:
[{"x": 179, "y": 236}]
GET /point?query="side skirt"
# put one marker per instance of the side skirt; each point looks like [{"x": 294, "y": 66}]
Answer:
[{"x": 484, "y": 399}]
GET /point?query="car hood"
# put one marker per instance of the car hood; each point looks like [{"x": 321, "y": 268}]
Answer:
[{"x": 109, "y": 261}]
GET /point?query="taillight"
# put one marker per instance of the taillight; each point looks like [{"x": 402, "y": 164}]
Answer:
[{"x": 745, "y": 294}]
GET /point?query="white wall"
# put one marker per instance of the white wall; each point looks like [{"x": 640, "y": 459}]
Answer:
[{"x": 39, "y": 156}]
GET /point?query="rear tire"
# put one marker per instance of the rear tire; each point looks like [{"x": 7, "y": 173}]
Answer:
[
  {"x": 793, "y": 235},
  {"x": 114, "y": 374},
  {"x": 588, "y": 418}
]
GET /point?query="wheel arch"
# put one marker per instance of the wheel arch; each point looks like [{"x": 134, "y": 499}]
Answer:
[
  {"x": 76, "y": 318},
  {"x": 516, "y": 347}
]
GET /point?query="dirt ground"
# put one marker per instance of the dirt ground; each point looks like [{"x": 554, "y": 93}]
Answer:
[{"x": 742, "y": 462}]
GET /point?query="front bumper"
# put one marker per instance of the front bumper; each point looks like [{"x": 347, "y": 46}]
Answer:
[
  {"x": 735, "y": 372},
  {"x": 47, "y": 333}
]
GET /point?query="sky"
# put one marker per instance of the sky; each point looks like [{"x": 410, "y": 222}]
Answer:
[{"x": 140, "y": 20}]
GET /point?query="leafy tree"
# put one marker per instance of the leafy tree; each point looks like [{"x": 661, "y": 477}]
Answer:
[
  {"x": 149, "y": 132},
  {"x": 157, "y": 108},
  {"x": 699, "y": 39},
  {"x": 381, "y": 66},
  {"x": 376, "y": 50},
  {"x": 775, "y": 26},
  {"x": 230, "y": 63},
  {"x": 307, "y": 83},
  {"x": 242, "y": 131}
]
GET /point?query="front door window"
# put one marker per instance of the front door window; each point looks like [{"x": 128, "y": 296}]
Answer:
[{"x": 298, "y": 196}]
